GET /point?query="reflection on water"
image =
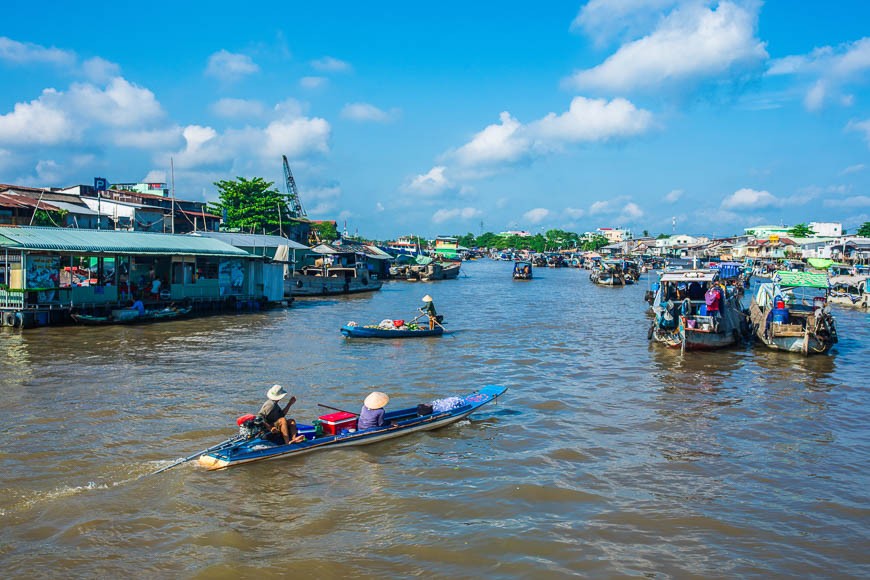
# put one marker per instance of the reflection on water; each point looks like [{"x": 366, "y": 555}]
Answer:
[{"x": 608, "y": 456}]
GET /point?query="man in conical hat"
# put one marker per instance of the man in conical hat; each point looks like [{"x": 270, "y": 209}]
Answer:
[
  {"x": 429, "y": 310},
  {"x": 276, "y": 418}
]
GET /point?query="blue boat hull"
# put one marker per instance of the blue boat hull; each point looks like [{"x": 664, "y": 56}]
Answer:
[
  {"x": 397, "y": 424},
  {"x": 365, "y": 332}
]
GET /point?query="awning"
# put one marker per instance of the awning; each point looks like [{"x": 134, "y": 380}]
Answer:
[{"x": 801, "y": 279}]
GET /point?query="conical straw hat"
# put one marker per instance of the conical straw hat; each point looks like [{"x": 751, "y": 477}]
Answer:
[{"x": 376, "y": 400}]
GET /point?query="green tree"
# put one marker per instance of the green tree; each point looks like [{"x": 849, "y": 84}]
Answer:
[
  {"x": 662, "y": 236},
  {"x": 467, "y": 240},
  {"x": 251, "y": 206},
  {"x": 801, "y": 231},
  {"x": 595, "y": 242},
  {"x": 49, "y": 218},
  {"x": 646, "y": 233},
  {"x": 326, "y": 231},
  {"x": 864, "y": 230},
  {"x": 560, "y": 239}
]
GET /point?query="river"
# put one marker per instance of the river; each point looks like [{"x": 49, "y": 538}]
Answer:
[{"x": 608, "y": 456}]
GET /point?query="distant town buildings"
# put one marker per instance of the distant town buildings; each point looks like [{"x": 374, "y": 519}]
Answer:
[{"x": 614, "y": 234}]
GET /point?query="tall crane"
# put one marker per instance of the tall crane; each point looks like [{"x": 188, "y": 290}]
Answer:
[{"x": 296, "y": 209}]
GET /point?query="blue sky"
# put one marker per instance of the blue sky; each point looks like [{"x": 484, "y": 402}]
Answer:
[{"x": 451, "y": 117}]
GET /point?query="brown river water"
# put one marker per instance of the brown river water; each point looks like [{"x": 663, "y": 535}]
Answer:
[{"x": 608, "y": 456}]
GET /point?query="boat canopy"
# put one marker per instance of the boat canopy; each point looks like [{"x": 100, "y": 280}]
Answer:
[
  {"x": 800, "y": 279},
  {"x": 820, "y": 263},
  {"x": 689, "y": 276}
]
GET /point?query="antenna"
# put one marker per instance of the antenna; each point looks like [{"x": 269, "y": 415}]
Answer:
[{"x": 674, "y": 225}]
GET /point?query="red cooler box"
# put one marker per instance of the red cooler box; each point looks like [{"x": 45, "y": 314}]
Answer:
[{"x": 335, "y": 423}]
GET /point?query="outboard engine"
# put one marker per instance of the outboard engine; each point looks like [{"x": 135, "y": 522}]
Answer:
[{"x": 250, "y": 426}]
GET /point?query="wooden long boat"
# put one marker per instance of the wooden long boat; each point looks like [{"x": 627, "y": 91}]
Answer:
[
  {"x": 127, "y": 316},
  {"x": 374, "y": 332},
  {"x": 785, "y": 321},
  {"x": 396, "y": 424},
  {"x": 681, "y": 319}
]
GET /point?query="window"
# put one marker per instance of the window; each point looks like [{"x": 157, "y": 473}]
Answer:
[{"x": 207, "y": 268}]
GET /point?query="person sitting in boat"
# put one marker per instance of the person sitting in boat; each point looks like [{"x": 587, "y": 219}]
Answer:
[
  {"x": 275, "y": 417},
  {"x": 429, "y": 310},
  {"x": 138, "y": 306},
  {"x": 372, "y": 413}
]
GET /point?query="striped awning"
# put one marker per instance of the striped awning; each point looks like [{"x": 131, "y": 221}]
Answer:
[{"x": 800, "y": 279}]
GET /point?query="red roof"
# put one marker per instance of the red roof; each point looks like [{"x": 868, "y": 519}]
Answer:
[{"x": 18, "y": 201}]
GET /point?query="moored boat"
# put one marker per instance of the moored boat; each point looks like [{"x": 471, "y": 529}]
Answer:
[
  {"x": 682, "y": 319},
  {"x": 849, "y": 290},
  {"x": 784, "y": 320},
  {"x": 130, "y": 316},
  {"x": 252, "y": 446}
]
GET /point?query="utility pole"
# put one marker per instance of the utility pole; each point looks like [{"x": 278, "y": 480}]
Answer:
[{"x": 172, "y": 178}]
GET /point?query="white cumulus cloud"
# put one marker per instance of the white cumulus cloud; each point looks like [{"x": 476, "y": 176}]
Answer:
[
  {"x": 829, "y": 71},
  {"x": 364, "y": 112},
  {"x": 586, "y": 120},
  {"x": 603, "y": 20},
  {"x": 312, "y": 83},
  {"x": 330, "y": 64},
  {"x": 228, "y": 67},
  {"x": 238, "y": 108},
  {"x": 592, "y": 120},
  {"x": 574, "y": 213},
  {"x": 750, "y": 198},
  {"x": 862, "y": 127},
  {"x": 15, "y": 52},
  {"x": 431, "y": 183},
  {"x": 495, "y": 144},
  {"x": 692, "y": 43},
  {"x": 674, "y": 195},
  {"x": 464, "y": 213},
  {"x": 536, "y": 215}
]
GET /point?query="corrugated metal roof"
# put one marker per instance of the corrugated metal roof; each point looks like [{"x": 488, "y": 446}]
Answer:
[
  {"x": 251, "y": 240},
  {"x": 112, "y": 242}
]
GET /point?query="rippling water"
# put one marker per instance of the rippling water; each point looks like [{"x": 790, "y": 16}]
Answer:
[{"x": 608, "y": 456}]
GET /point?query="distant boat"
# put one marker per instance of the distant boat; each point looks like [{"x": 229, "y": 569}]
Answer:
[
  {"x": 522, "y": 270},
  {"x": 783, "y": 320},
  {"x": 331, "y": 272},
  {"x": 608, "y": 273}
]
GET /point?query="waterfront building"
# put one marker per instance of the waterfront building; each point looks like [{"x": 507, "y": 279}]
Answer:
[
  {"x": 826, "y": 229},
  {"x": 21, "y": 206},
  {"x": 47, "y": 272},
  {"x": 447, "y": 247},
  {"x": 614, "y": 235}
]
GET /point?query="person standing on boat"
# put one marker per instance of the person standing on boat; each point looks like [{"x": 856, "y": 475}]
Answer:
[
  {"x": 275, "y": 417},
  {"x": 713, "y": 299},
  {"x": 429, "y": 310},
  {"x": 372, "y": 413}
]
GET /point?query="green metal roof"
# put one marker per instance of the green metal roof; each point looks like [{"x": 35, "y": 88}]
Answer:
[
  {"x": 801, "y": 279},
  {"x": 112, "y": 242}
]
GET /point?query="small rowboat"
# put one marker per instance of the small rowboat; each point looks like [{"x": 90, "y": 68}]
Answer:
[
  {"x": 374, "y": 332},
  {"x": 396, "y": 424},
  {"x": 128, "y": 316}
]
